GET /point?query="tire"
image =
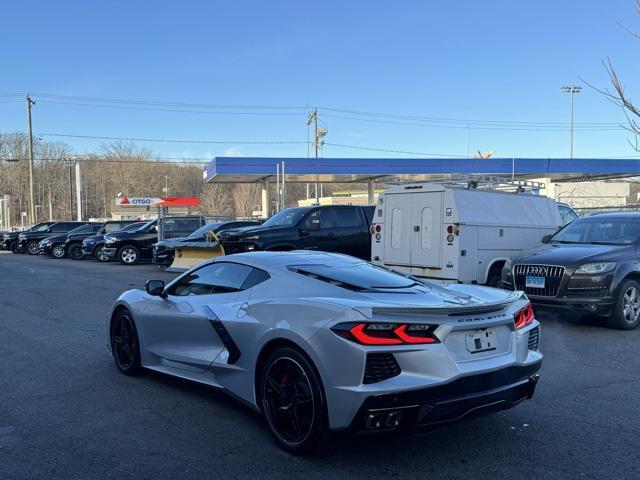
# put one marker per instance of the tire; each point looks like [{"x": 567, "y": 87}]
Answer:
[
  {"x": 125, "y": 346},
  {"x": 292, "y": 400},
  {"x": 100, "y": 256},
  {"x": 626, "y": 312},
  {"x": 14, "y": 247},
  {"x": 494, "y": 277},
  {"x": 58, "y": 251},
  {"x": 33, "y": 248},
  {"x": 129, "y": 255},
  {"x": 74, "y": 251}
]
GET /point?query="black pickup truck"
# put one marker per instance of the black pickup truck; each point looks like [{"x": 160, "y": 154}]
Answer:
[
  {"x": 131, "y": 247},
  {"x": 338, "y": 228}
]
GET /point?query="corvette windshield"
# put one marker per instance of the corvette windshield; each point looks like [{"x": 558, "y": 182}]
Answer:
[
  {"x": 362, "y": 275},
  {"x": 286, "y": 218},
  {"x": 606, "y": 231}
]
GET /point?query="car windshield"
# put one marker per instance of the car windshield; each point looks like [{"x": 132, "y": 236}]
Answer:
[
  {"x": 82, "y": 229},
  {"x": 286, "y": 218},
  {"x": 41, "y": 228},
  {"x": 606, "y": 231},
  {"x": 362, "y": 276},
  {"x": 132, "y": 227},
  {"x": 145, "y": 226},
  {"x": 199, "y": 233}
]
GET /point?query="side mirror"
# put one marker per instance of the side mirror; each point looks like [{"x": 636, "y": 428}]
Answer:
[
  {"x": 155, "y": 288},
  {"x": 314, "y": 225},
  {"x": 546, "y": 238}
]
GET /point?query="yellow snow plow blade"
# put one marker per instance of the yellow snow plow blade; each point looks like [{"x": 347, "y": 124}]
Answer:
[{"x": 190, "y": 254}]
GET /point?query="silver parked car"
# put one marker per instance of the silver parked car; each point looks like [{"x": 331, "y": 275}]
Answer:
[{"x": 319, "y": 341}]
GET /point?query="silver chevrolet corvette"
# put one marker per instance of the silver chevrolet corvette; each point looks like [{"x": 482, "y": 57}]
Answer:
[{"x": 319, "y": 341}]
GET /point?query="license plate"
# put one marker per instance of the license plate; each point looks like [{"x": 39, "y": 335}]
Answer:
[
  {"x": 481, "y": 341},
  {"x": 534, "y": 282}
]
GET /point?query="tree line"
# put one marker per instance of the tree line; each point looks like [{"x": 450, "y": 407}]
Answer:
[{"x": 116, "y": 168}]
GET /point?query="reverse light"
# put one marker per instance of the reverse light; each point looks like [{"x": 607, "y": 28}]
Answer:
[
  {"x": 524, "y": 317},
  {"x": 386, "y": 333}
]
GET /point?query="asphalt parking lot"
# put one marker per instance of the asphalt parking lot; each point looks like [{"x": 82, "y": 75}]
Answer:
[{"x": 65, "y": 411}]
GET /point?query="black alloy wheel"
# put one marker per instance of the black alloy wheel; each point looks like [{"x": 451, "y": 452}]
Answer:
[
  {"x": 292, "y": 400},
  {"x": 14, "y": 247},
  {"x": 33, "y": 248},
  {"x": 75, "y": 251},
  {"x": 124, "y": 344}
]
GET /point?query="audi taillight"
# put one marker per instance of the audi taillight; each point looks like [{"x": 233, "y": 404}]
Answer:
[
  {"x": 523, "y": 317},
  {"x": 386, "y": 333}
]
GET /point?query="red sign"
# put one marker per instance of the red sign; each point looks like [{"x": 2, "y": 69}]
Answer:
[{"x": 158, "y": 202}]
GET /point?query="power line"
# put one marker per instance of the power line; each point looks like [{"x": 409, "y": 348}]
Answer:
[
  {"x": 172, "y": 110},
  {"x": 170, "y": 104},
  {"x": 459, "y": 120},
  {"x": 388, "y": 150},
  {"x": 482, "y": 127},
  {"x": 102, "y": 102},
  {"x": 170, "y": 140}
]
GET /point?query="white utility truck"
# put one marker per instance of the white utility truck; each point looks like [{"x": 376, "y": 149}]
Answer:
[{"x": 459, "y": 232}]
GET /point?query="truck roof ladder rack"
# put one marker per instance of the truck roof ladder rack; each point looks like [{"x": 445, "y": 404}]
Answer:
[{"x": 480, "y": 181}]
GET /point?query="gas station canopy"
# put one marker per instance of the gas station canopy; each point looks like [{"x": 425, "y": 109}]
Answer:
[{"x": 347, "y": 170}]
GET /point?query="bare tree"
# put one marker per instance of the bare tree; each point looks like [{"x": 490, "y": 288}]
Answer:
[{"x": 617, "y": 93}]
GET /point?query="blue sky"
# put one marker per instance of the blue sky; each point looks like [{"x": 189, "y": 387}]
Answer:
[{"x": 499, "y": 60}]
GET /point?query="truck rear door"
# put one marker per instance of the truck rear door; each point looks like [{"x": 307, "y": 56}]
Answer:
[
  {"x": 397, "y": 232},
  {"x": 413, "y": 233},
  {"x": 427, "y": 229}
]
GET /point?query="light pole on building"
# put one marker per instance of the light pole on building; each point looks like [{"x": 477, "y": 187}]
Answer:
[{"x": 571, "y": 89}]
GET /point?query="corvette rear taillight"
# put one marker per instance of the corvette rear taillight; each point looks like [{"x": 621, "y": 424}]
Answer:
[
  {"x": 523, "y": 317},
  {"x": 386, "y": 333}
]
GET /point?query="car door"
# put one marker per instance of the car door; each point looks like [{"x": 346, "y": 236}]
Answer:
[
  {"x": 148, "y": 240},
  {"x": 179, "y": 330},
  {"x": 352, "y": 233}
]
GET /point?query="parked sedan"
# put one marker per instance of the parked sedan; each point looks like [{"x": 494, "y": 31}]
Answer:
[
  {"x": 29, "y": 241},
  {"x": 591, "y": 266},
  {"x": 61, "y": 246},
  {"x": 10, "y": 239},
  {"x": 318, "y": 341}
]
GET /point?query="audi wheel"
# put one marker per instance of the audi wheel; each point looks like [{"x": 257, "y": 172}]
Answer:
[{"x": 626, "y": 313}]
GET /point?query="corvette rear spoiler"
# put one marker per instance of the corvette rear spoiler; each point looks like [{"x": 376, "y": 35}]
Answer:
[{"x": 453, "y": 310}]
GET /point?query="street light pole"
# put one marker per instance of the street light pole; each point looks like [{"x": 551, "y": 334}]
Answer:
[
  {"x": 571, "y": 89},
  {"x": 32, "y": 199}
]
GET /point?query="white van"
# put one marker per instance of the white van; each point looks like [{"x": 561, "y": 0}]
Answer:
[{"x": 454, "y": 233}]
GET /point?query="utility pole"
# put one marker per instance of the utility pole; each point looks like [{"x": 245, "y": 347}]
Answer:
[
  {"x": 571, "y": 89},
  {"x": 70, "y": 192},
  {"x": 32, "y": 196},
  {"x": 78, "y": 192},
  {"x": 318, "y": 133}
]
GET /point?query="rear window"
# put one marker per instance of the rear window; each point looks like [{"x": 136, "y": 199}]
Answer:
[
  {"x": 362, "y": 276},
  {"x": 348, "y": 217}
]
